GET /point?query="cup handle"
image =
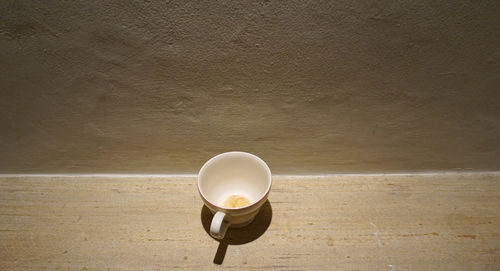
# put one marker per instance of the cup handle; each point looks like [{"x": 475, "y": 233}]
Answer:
[{"x": 219, "y": 227}]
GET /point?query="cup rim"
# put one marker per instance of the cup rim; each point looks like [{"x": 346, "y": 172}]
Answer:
[{"x": 262, "y": 162}]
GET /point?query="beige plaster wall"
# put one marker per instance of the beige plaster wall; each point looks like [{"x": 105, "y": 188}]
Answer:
[{"x": 310, "y": 86}]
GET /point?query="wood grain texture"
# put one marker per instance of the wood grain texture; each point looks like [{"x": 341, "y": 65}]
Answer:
[{"x": 386, "y": 222}]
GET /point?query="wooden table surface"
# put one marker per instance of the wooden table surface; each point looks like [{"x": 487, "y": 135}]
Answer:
[{"x": 380, "y": 222}]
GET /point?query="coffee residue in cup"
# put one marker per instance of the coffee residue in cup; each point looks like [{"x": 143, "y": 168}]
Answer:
[{"x": 235, "y": 201}]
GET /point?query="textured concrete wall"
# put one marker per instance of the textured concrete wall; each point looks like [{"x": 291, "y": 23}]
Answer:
[{"x": 310, "y": 86}]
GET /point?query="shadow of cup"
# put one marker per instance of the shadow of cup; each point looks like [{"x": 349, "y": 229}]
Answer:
[{"x": 239, "y": 236}]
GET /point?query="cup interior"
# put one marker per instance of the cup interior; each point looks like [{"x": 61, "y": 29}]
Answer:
[{"x": 234, "y": 173}]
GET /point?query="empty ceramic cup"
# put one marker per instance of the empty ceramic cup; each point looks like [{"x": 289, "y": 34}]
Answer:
[{"x": 233, "y": 185}]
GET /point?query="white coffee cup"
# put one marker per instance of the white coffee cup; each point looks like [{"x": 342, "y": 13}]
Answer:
[{"x": 233, "y": 173}]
